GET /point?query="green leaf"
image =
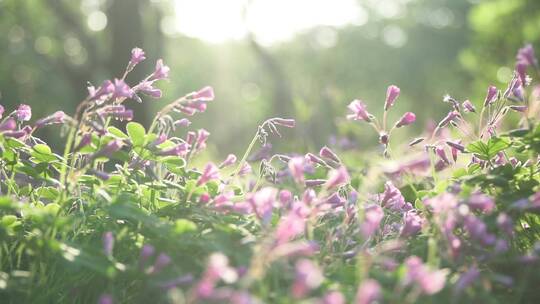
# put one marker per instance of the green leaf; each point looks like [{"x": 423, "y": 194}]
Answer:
[
  {"x": 117, "y": 132},
  {"x": 182, "y": 226},
  {"x": 42, "y": 149},
  {"x": 136, "y": 133},
  {"x": 487, "y": 151}
]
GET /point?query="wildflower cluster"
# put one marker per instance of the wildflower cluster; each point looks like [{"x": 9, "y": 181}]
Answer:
[{"x": 127, "y": 214}]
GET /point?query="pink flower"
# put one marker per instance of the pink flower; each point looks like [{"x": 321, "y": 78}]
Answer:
[
  {"x": 147, "y": 89},
  {"x": 491, "y": 95},
  {"x": 466, "y": 279},
  {"x": 111, "y": 147},
  {"x": 337, "y": 177},
  {"x": 296, "y": 168},
  {"x": 137, "y": 56},
  {"x": 447, "y": 119},
  {"x": 392, "y": 94},
  {"x": 329, "y": 154},
  {"x": 121, "y": 89},
  {"x": 481, "y": 202},
  {"x": 457, "y": 146},
  {"x": 333, "y": 297},
  {"x": 407, "y": 119},
  {"x": 526, "y": 55},
  {"x": 108, "y": 243},
  {"x": 412, "y": 224},
  {"x": 468, "y": 106},
  {"x": 162, "y": 261},
  {"x": 430, "y": 282},
  {"x": 161, "y": 71},
  {"x": 246, "y": 169},
  {"x": 359, "y": 111},
  {"x": 204, "y": 94},
  {"x": 202, "y": 136},
  {"x": 442, "y": 154},
  {"x": 369, "y": 292},
  {"x": 178, "y": 150},
  {"x": 373, "y": 214},
  {"x": 105, "y": 299},
  {"x": 285, "y": 197},
  {"x": 1, "y": 111},
  {"x": 231, "y": 159},
  {"x": 23, "y": 113},
  {"x": 184, "y": 122},
  {"x": 56, "y": 118},
  {"x": 289, "y": 226},
  {"x": 210, "y": 172},
  {"x": 308, "y": 277},
  {"x": 442, "y": 203}
]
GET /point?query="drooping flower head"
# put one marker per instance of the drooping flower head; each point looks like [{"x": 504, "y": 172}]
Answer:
[
  {"x": 56, "y": 118},
  {"x": 204, "y": 94},
  {"x": 468, "y": 106},
  {"x": 392, "y": 94},
  {"x": 231, "y": 159},
  {"x": 148, "y": 89},
  {"x": 526, "y": 55},
  {"x": 337, "y": 177}
]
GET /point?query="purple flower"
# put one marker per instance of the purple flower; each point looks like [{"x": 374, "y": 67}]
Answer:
[
  {"x": 296, "y": 168},
  {"x": 337, "y": 177},
  {"x": 442, "y": 154},
  {"x": 429, "y": 281},
  {"x": 108, "y": 243},
  {"x": 491, "y": 95},
  {"x": 137, "y": 56},
  {"x": 373, "y": 214},
  {"x": 325, "y": 152},
  {"x": 526, "y": 55},
  {"x": 481, "y": 202},
  {"x": 231, "y": 159},
  {"x": 369, "y": 292},
  {"x": 162, "y": 261},
  {"x": 147, "y": 89},
  {"x": 210, "y": 172},
  {"x": 23, "y": 112},
  {"x": 407, "y": 119},
  {"x": 161, "y": 71},
  {"x": 333, "y": 297},
  {"x": 412, "y": 224},
  {"x": 289, "y": 226},
  {"x": 447, "y": 119},
  {"x": 99, "y": 95},
  {"x": 204, "y": 94},
  {"x": 314, "y": 159},
  {"x": 468, "y": 106},
  {"x": 518, "y": 108},
  {"x": 459, "y": 147},
  {"x": 146, "y": 252},
  {"x": 314, "y": 182},
  {"x": 1, "y": 111},
  {"x": 56, "y": 118},
  {"x": 246, "y": 169},
  {"x": 202, "y": 136},
  {"x": 359, "y": 111},
  {"x": 105, "y": 299},
  {"x": 8, "y": 125},
  {"x": 285, "y": 197},
  {"x": 392, "y": 94},
  {"x": 184, "y": 122},
  {"x": 393, "y": 199},
  {"x": 121, "y": 89},
  {"x": 308, "y": 277},
  {"x": 111, "y": 147},
  {"x": 178, "y": 150},
  {"x": 466, "y": 279}
]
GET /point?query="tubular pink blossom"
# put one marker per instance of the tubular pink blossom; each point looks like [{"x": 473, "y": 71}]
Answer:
[
  {"x": 407, "y": 119},
  {"x": 392, "y": 93},
  {"x": 359, "y": 111},
  {"x": 178, "y": 150},
  {"x": 231, "y": 159},
  {"x": 456, "y": 146},
  {"x": 202, "y": 136},
  {"x": 296, "y": 168},
  {"x": 373, "y": 214},
  {"x": 147, "y": 89},
  {"x": 210, "y": 172},
  {"x": 442, "y": 154},
  {"x": 491, "y": 95},
  {"x": 308, "y": 277},
  {"x": 204, "y": 94},
  {"x": 246, "y": 169},
  {"x": 56, "y": 118},
  {"x": 137, "y": 56},
  {"x": 369, "y": 292},
  {"x": 526, "y": 55},
  {"x": 326, "y": 152},
  {"x": 1, "y": 111},
  {"x": 8, "y": 125},
  {"x": 161, "y": 71},
  {"x": 337, "y": 177},
  {"x": 121, "y": 89},
  {"x": 447, "y": 119},
  {"x": 468, "y": 106},
  {"x": 184, "y": 122}
]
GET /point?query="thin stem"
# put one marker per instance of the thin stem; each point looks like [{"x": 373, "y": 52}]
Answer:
[{"x": 246, "y": 154}]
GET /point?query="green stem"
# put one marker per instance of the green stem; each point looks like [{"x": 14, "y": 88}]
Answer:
[{"x": 246, "y": 154}]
